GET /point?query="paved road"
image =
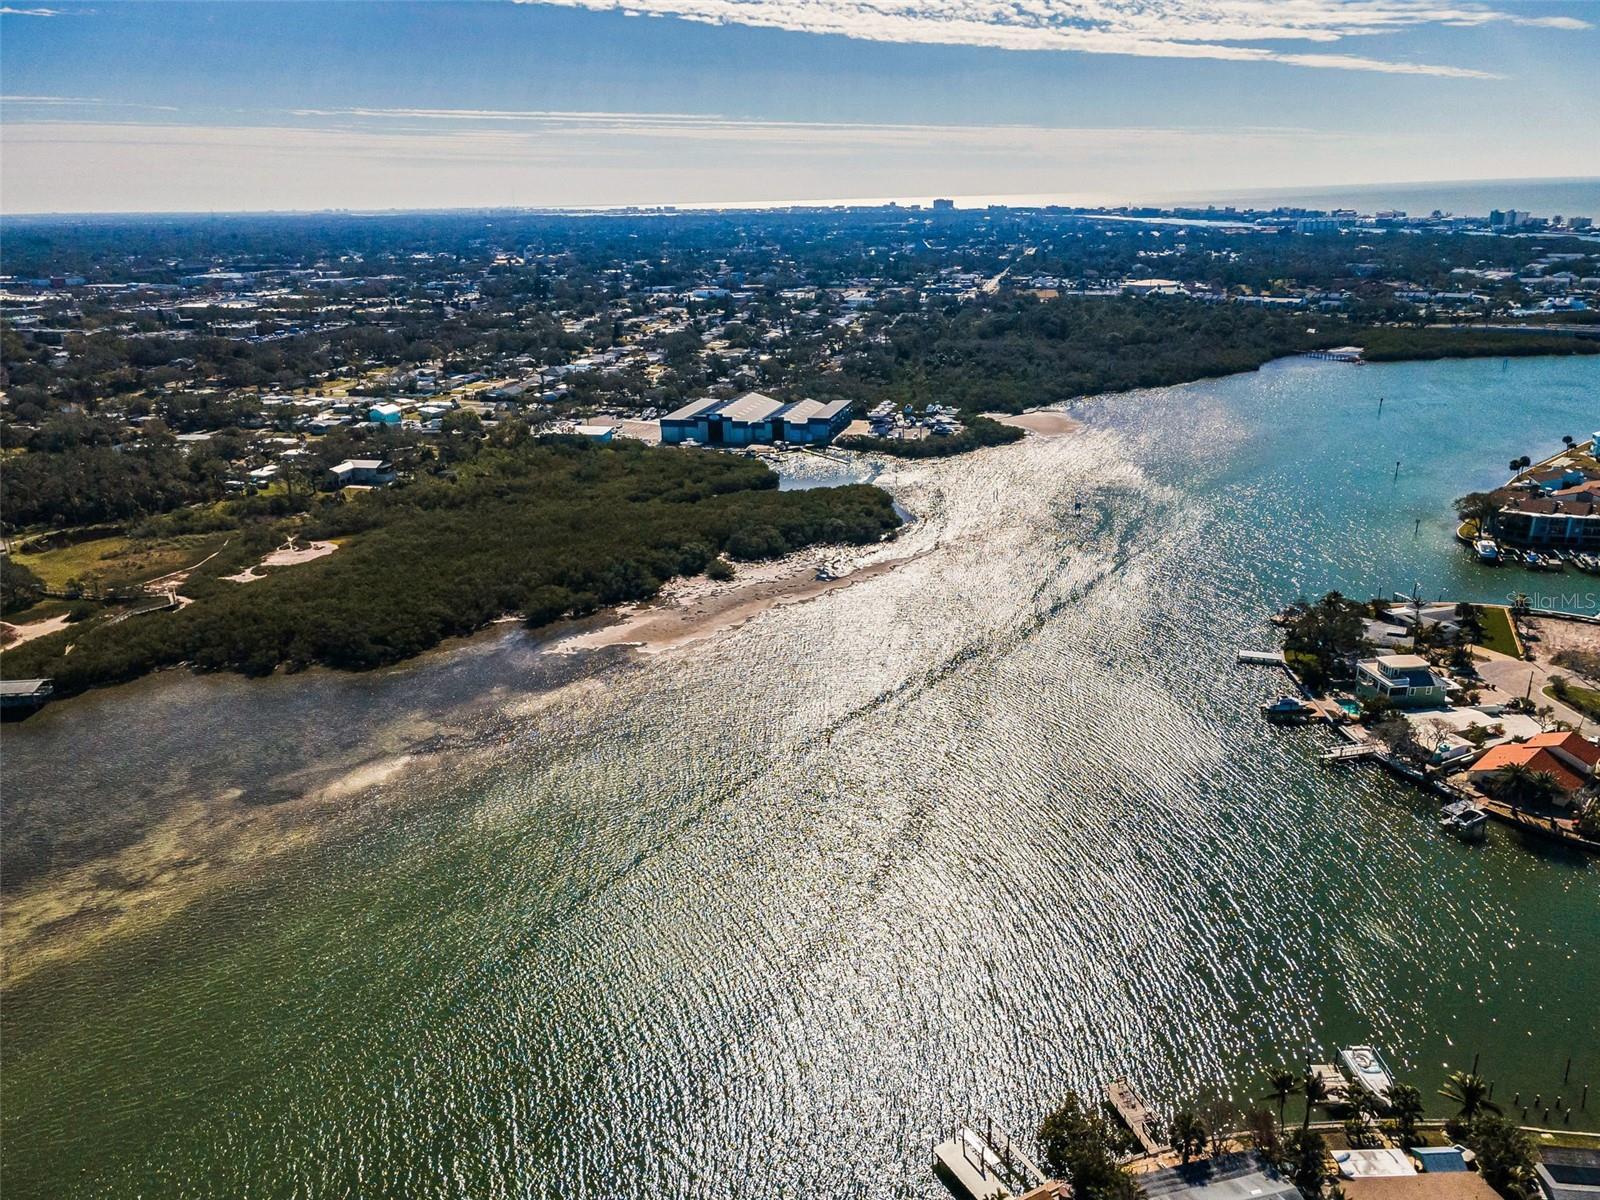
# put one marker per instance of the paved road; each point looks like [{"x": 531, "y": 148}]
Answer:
[{"x": 1512, "y": 675}]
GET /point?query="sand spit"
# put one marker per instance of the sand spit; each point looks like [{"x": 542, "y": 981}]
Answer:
[
  {"x": 1046, "y": 422},
  {"x": 691, "y": 610}
]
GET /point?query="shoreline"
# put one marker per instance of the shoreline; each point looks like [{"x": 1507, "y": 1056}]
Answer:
[
  {"x": 209, "y": 841},
  {"x": 1049, "y": 421},
  {"x": 691, "y": 610}
]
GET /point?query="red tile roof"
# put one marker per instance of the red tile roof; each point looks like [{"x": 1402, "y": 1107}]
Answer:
[
  {"x": 1535, "y": 758},
  {"x": 1572, "y": 744}
]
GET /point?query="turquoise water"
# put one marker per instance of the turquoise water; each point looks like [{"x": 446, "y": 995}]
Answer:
[{"x": 761, "y": 916}]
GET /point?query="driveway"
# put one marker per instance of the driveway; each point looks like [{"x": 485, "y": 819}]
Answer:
[{"x": 1513, "y": 676}]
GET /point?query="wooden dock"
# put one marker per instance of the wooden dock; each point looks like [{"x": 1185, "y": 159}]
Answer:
[
  {"x": 1140, "y": 1121},
  {"x": 1351, "y": 753},
  {"x": 985, "y": 1164},
  {"x": 1263, "y": 658},
  {"x": 1334, "y": 1085}
]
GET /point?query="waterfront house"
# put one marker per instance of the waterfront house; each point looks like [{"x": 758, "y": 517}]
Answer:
[
  {"x": 1405, "y": 680},
  {"x": 1538, "y": 759},
  {"x": 1429, "y": 1185},
  {"x": 1573, "y": 750},
  {"x": 1231, "y": 1177}
]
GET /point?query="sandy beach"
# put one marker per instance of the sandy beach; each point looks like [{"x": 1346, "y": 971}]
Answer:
[
  {"x": 691, "y": 610},
  {"x": 1046, "y": 422}
]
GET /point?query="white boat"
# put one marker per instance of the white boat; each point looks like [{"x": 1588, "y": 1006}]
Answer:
[
  {"x": 1464, "y": 819},
  {"x": 1487, "y": 550},
  {"x": 1368, "y": 1070}
]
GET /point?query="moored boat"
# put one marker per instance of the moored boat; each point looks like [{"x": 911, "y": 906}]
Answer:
[
  {"x": 1464, "y": 819},
  {"x": 1367, "y": 1070},
  {"x": 1487, "y": 550},
  {"x": 1288, "y": 708}
]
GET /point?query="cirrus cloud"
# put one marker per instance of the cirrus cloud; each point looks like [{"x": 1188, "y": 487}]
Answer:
[{"x": 1215, "y": 29}]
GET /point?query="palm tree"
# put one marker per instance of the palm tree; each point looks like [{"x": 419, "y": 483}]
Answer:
[
  {"x": 1405, "y": 1101},
  {"x": 1283, "y": 1084},
  {"x": 1316, "y": 1093},
  {"x": 1187, "y": 1134},
  {"x": 1469, "y": 1093},
  {"x": 1514, "y": 782}
]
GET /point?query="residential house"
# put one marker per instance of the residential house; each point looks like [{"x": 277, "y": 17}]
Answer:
[
  {"x": 1538, "y": 759},
  {"x": 361, "y": 472},
  {"x": 1405, "y": 680}
]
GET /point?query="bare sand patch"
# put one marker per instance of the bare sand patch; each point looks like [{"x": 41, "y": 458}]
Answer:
[
  {"x": 1556, "y": 635},
  {"x": 691, "y": 610},
  {"x": 1046, "y": 422},
  {"x": 286, "y": 555},
  {"x": 15, "y": 635},
  {"x": 289, "y": 554}
]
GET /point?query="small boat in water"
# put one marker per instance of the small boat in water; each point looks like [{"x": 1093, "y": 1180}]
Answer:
[
  {"x": 1287, "y": 708},
  {"x": 1464, "y": 819},
  {"x": 1368, "y": 1070},
  {"x": 1487, "y": 550}
]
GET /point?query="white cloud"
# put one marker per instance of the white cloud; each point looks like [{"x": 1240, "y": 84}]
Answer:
[
  {"x": 7, "y": 11},
  {"x": 81, "y": 102},
  {"x": 1152, "y": 28}
]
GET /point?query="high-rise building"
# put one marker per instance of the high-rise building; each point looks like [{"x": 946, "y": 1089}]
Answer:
[{"x": 943, "y": 205}]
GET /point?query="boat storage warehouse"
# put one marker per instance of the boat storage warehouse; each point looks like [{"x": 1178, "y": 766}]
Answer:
[{"x": 753, "y": 419}]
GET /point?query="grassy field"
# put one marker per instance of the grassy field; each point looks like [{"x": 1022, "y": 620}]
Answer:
[
  {"x": 1497, "y": 632},
  {"x": 117, "y": 561},
  {"x": 1585, "y": 700}
]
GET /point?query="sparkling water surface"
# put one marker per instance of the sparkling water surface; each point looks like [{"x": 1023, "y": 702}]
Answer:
[{"x": 762, "y": 916}]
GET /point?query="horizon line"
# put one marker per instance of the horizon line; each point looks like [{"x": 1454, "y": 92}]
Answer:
[{"x": 975, "y": 202}]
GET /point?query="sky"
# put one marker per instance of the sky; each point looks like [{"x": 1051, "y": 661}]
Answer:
[{"x": 116, "y": 106}]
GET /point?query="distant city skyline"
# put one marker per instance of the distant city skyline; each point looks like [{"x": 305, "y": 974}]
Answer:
[{"x": 248, "y": 106}]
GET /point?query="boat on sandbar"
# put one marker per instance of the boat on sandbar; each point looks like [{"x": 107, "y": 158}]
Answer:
[{"x": 1368, "y": 1070}]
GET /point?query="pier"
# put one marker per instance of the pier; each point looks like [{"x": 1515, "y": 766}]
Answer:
[
  {"x": 1136, "y": 1116},
  {"x": 985, "y": 1165},
  {"x": 1354, "y": 752}
]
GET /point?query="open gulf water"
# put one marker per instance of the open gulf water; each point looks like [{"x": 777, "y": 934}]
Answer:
[{"x": 761, "y": 916}]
